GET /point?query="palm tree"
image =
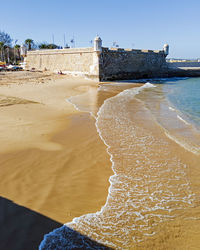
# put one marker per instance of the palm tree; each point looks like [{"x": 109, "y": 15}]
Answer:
[
  {"x": 5, "y": 52},
  {"x": 47, "y": 46},
  {"x": 43, "y": 46},
  {"x": 2, "y": 44},
  {"x": 52, "y": 46},
  {"x": 16, "y": 49},
  {"x": 17, "y": 46},
  {"x": 29, "y": 42}
]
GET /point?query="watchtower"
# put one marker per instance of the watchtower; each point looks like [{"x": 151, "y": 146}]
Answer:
[
  {"x": 166, "y": 49},
  {"x": 97, "y": 44}
]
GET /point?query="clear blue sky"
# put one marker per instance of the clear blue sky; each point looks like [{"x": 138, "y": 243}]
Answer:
[{"x": 146, "y": 24}]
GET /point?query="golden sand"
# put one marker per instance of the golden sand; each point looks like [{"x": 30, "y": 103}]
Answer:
[{"x": 52, "y": 160}]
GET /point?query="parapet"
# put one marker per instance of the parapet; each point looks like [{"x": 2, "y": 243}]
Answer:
[
  {"x": 134, "y": 51},
  {"x": 60, "y": 51}
]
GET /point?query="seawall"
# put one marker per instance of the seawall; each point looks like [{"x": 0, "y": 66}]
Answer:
[
  {"x": 188, "y": 64},
  {"x": 183, "y": 69}
]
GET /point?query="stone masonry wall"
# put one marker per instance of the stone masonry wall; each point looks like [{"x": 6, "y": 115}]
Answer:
[
  {"x": 73, "y": 61},
  {"x": 131, "y": 64},
  {"x": 106, "y": 64}
]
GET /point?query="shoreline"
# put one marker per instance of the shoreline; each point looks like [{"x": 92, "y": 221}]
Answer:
[
  {"x": 77, "y": 152},
  {"x": 52, "y": 154},
  {"x": 176, "y": 172}
]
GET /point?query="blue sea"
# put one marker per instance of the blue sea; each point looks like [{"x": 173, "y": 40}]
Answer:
[
  {"x": 184, "y": 94},
  {"x": 179, "y": 109}
]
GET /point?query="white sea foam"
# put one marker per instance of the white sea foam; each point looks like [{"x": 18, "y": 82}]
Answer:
[
  {"x": 142, "y": 188},
  {"x": 134, "y": 91},
  {"x": 186, "y": 145},
  {"x": 172, "y": 109},
  {"x": 180, "y": 118},
  {"x": 172, "y": 124}
]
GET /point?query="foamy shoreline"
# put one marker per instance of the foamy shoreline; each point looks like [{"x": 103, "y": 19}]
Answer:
[
  {"x": 85, "y": 222},
  {"x": 53, "y": 156},
  {"x": 46, "y": 162}
]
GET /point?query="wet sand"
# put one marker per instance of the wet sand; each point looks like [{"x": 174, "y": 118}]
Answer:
[
  {"x": 52, "y": 160},
  {"x": 153, "y": 200}
]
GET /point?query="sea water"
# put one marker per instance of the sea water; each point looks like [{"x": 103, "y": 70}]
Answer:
[
  {"x": 152, "y": 136},
  {"x": 185, "y": 96},
  {"x": 179, "y": 109}
]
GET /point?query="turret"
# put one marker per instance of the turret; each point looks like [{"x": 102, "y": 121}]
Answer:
[
  {"x": 97, "y": 43},
  {"x": 166, "y": 49},
  {"x": 23, "y": 50}
]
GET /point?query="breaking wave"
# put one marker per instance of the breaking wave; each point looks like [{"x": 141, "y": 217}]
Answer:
[
  {"x": 145, "y": 189},
  {"x": 150, "y": 183}
]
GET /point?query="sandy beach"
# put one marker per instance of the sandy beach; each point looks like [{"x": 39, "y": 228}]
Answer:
[
  {"x": 52, "y": 160},
  {"x": 54, "y": 166}
]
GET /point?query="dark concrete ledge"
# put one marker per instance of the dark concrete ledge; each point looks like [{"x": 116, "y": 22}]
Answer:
[
  {"x": 133, "y": 75},
  {"x": 184, "y": 72},
  {"x": 168, "y": 72}
]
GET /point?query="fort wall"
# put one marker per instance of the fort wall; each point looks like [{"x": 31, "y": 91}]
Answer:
[
  {"x": 131, "y": 63},
  {"x": 73, "y": 61},
  {"x": 100, "y": 63}
]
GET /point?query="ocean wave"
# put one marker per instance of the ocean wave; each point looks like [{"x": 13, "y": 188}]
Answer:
[
  {"x": 175, "y": 124},
  {"x": 173, "y": 109},
  {"x": 144, "y": 189},
  {"x": 180, "y": 118},
  {"x": 195, "y": 149}
]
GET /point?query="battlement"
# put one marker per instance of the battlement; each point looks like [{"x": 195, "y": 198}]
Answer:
[{"x": 136, "y": 51}]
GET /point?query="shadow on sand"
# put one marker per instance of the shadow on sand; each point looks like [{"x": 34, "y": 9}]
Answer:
[
  {"x": 24, "y": 229},
  {"x": 66, "y": 238}
]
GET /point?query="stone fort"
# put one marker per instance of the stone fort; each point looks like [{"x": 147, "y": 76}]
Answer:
[{"x": 100, "y": 63}]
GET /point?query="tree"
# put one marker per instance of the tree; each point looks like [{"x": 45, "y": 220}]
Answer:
[
  {"x": 5, "y": 52},
  {"x": 2, "y": 50},
  {"x": 17, "y": 46},
  {"x": 52, "y": 46},
  {"x": 45, "y": 45},
  {"x": 5, "y": 38},
  {"x": 16, "y": 52},
  {"x": 5, "y": 43},
  {"x": 42, "y": 46},
  {"x": 30, "y": 43}
]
